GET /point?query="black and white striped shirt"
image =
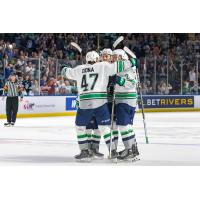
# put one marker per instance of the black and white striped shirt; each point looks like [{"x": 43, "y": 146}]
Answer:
[{"x": 13, "y": 89}]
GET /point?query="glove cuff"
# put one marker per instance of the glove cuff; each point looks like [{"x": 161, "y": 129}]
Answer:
[
  {"x": 134, "y": 62},
  {"x": 120, "y": 81}
]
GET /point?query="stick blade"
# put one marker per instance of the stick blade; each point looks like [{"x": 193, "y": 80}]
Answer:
[
  {"x": 129, "y": 52},
  {"x": 117, "y": 41},
  {"x": 76, "y": 46}
]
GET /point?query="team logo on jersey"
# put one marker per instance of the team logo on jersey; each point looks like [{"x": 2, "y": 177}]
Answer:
[{"x": 105, "y": 121}]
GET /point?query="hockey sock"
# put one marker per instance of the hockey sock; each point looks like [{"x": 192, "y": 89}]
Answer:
[
  {"x": 115, "y": 133},
  {"x": 105, "y": 130},
  {"x": 128, "y": 136},
  {"x": 89, "y": 136},
  {"x": 82, "y": 137},
  {"x": 96, "y": 138}
]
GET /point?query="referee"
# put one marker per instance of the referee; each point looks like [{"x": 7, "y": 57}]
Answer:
[{"x": 12, "y": 90}]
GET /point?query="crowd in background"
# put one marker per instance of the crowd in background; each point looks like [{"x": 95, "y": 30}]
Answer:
[{"x": 37, "y": 60}]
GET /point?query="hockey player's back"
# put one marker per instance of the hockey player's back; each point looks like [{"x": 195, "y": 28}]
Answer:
[{"x": 92, "y": 81}]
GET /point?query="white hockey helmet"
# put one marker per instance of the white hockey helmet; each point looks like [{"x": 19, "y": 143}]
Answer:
[
  {"x": 106, "y": 51},
  {"x": 92, "y": 56},
  {"x": 120, "y": 52},
  {"x": 116, "y": 52}
]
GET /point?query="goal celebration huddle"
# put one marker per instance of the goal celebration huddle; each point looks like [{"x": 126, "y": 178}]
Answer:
[{"x": 107, "y": 97}]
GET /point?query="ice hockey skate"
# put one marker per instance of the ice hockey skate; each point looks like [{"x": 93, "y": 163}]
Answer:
[
  {"x": 96, "y": 154},
  {"x": 113, "y": 156},
  {"x": 129, "y": 154},
  {"x": 84, "y": 156}
]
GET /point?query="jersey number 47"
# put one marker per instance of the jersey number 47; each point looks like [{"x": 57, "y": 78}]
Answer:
[{"x": 88, "y": 82}]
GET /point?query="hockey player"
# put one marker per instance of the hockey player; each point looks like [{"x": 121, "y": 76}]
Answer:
[
  {"x": 126, "y": 98},
  {"x": 94, "y": 135},
  {"x": 94, "y": 138},
  {"x": 116, "y": 57},
  {"x": 106, "y": 55},
  {"x": 110, "y": 90},
  {"x": 92, "y": 79}
]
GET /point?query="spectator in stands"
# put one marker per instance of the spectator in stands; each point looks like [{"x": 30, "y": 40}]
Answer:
[
  {"x": 43, "y": 81},
  {"x": 51, "y": 86},
  {"x": 144, "y": 88},
  {"x": 186, "y": 88},
  {"x": 68, "y": 87},
  {"x": 27, "y": 84},
  {"x": 5, "y": 60},
  {"x": 35, "y": 88},
  {"x": 163, "y": 88},
  {"x": 9, "y": 51},
  {"x": 43, "y": 85},
  {"x": 62, "y": 91},
  {"x": 192, "y": 76},
  {"x": 59, "y": 84},
  {"x": 149, "y": 88},
  {"x": 1, "y": 69},
  {"x": 21, "y": 61},
  {"x": 30, "y": 69},
  {"x": 194, "y": 89},
  {"x": 8, "y": 70},
  {"x": 19, "y": 49}
]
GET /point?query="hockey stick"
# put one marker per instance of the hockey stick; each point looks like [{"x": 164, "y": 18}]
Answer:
[
  {"x": 115, "y": 44},
  {"x": 117, "y": 41},
  {"x": 112, "y": 121},
  {"x": 75, "y": 45},
  {"x": 128, "y": 51}
]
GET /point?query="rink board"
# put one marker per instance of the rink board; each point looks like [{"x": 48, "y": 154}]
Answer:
[
  {"x": 43, "y": 106},
  {"x": 47, "y": 106}
]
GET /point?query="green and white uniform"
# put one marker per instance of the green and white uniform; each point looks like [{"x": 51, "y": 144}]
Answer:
[
  {"x": 126, "y": 94},
  {"x": 92, "y": 81}
]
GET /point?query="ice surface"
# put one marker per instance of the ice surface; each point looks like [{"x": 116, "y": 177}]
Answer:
[{"x": 174, "y": 140}]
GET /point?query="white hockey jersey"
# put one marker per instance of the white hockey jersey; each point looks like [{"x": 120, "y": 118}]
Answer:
[
  {"x": 128, "y": 92},
  {"x": 92, "y": 81}
]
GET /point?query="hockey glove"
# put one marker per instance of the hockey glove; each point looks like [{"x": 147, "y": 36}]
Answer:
[
  {"x": 117, "y": 80},
  {"x": 134, "y": 62},
  {"x": 63, "y": 71}
]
